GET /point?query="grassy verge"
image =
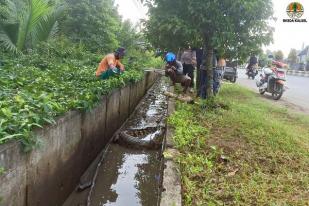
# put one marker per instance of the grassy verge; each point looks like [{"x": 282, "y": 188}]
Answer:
[{"x": 239, "y": 150}]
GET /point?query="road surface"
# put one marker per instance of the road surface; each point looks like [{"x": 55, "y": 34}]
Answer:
[{"x": 295, "y": 97}]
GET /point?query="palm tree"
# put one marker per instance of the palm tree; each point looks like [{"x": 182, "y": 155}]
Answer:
[{"x": 24, "y": 24}]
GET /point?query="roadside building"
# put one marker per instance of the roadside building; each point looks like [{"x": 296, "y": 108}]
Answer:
[{"x": 303, "y": 57}]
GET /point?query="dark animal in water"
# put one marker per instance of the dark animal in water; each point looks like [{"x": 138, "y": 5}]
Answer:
[{"x": 133, "y": 138}]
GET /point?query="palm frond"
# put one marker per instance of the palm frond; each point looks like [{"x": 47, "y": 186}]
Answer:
[
  {"x": 7, "y": 43},
  {"x": 28, "y": 22},
  {"x": 48, "y": 26},
  {"x": 33, "y": 13},
  {"x": 8, "y": 12},
  {"x": 11, "y": 30}
]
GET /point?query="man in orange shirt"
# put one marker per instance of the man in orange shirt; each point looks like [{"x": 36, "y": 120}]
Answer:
[{"x": 111, "y": 65}]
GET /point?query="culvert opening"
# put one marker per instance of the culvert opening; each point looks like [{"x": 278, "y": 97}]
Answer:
[{"x": 129, "y": 170}]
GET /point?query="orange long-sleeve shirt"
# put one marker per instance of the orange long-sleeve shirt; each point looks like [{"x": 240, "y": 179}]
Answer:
[{"x": 107, "y": 62}]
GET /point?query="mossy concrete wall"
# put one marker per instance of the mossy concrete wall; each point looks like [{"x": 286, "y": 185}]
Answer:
[{"x": 47, "y": 175}]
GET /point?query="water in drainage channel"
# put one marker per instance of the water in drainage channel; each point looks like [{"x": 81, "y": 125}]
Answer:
[{"x": 129, "y": 172}]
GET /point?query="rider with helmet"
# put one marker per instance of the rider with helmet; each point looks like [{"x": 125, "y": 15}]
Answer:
[
  {"x": 110, "y": 64},
  {"x": 253, "y": 63},
  {"x": 174, "y": 70}
]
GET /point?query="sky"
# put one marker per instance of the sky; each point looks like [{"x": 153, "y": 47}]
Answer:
[
  {"x": 286, "y": 35},
  {"x": 131, "y": 9},
  {"x": 289, "y": 35}
]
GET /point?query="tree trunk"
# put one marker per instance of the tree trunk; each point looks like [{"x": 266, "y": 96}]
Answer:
[
  {"x": 209, "y": 68},
  {"x": 199, "y": 60},
  {"x": 198, "y": 77},
  {"x": 206, "y": 73}
]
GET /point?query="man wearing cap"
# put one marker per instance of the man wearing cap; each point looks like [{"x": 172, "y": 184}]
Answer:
[
  {"x": 111, "y": 65},
  {"x": 174, "y": 70}
]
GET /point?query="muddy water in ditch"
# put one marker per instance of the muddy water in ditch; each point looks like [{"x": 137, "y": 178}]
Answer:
[{"x": 124, "y": 176}]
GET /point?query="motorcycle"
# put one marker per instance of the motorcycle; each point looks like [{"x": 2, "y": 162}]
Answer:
[
  {"x": 252, "y": 72},
  {"x": 272, "y": 81}
]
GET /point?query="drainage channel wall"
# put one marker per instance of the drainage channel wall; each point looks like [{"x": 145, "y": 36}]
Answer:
[
  {"x": 171, "y": 184},
  {"x": 47, "y": 175}
]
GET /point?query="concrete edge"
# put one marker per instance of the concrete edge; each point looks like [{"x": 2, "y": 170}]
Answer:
[
  {"x": 298, "y": 73},
  {"x": 171, "y": 184}
]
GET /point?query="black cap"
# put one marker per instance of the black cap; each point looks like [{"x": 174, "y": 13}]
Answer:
[{"x": 121, "y": 51}]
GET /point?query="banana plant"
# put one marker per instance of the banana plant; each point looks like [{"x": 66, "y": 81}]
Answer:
[{"x": 24, "y": 24}]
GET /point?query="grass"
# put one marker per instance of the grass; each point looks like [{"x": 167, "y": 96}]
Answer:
[
  {"x": 237, "y": 149},
  {"x": 2, "y": 170}
]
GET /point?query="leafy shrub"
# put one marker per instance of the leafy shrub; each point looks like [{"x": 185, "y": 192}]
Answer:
[{"x": 49, "y": 81}]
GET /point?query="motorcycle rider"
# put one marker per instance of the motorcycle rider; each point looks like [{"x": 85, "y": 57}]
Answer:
[
  {"x": 252, "y": 64},
  {"x": 272, "y": 80},
  {"x": 174, "y": 70},
  {"x": 272, "y": 67}
]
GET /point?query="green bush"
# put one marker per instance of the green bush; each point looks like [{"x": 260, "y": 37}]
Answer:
[{"x": 51, "y": 80}]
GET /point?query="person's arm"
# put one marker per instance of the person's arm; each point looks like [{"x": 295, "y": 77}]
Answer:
[
  {"x": 179, "y": 67},
  {"x": 182, "y": 59},
  {"x": 121, "y": 66},
  {"x": 194, "y": 58}
]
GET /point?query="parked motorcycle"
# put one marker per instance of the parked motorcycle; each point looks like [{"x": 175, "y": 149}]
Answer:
[{"x": 272, "y": 81}]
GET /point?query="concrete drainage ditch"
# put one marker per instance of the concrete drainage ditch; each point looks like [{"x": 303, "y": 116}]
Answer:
[
  {"x": 48, "y": 175},
  {"x": 129, "y": 170}
]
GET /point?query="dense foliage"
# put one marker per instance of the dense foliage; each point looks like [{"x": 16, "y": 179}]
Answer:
[
  {"x": 35, "y": 88},
  {"x": 94, "y": 23},
  {"x": 51, "y": 80},
  {"x": 234, "y": 28},
  {"x": 292, "y": 57},
  {"x": 39, "y": 81},
  {"x": 25, "y": 23},
  {"x": 279, "y": 56}
]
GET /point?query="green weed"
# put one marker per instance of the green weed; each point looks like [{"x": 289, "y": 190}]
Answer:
[
  {"x": 239, "y": 150},
  {"x": 55, "y": 78},
  {"x": 2, "y": 171}
]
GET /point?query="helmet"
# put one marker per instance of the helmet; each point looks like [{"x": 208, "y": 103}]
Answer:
[
  {"x": 170, "y": 57},
  {"x": 120, "y": 51},
  {"x": 278, "y": 64}
]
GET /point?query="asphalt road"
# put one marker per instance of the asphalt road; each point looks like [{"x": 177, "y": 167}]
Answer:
[{"x": 295, "y": 97}]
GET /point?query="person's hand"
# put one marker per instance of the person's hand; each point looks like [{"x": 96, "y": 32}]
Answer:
[
  {"x": 111, "y": 66},
  {"x": 173, "y": 68}
]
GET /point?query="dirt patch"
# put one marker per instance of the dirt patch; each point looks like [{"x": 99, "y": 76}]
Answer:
[
  {"x": 223, "y": 138},
  {"x": 228, "y": 145}
]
